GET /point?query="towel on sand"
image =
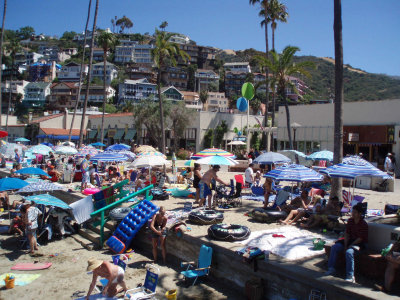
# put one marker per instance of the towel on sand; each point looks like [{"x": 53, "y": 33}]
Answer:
[{"x": 20, "y": 279}]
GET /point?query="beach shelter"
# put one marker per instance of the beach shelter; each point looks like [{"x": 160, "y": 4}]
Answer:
[
  {"x": 118, "y": 147},
  {"x": 41, "y": 187},
  {"x": 32, "y": 171},
  {"x": 65, "y": 150},
  {"x": 48, "y": 200},
  {"x": 217, "y": 160},
  {"x": 211, "y": 152},
  {"x": 293, "y": 172},
  {"x": 321, "y": 155},
  {"x": 269, "y": 158},
  {"x": 8, "y": 183},
  {"x": 41, "y": 149}
]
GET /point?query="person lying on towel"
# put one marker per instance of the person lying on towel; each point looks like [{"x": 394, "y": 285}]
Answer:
[{"x": 113, "y": 273}]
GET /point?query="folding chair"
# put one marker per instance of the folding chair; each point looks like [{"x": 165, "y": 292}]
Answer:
[
  {"x": 203, "y": 265},
  {"x": 148, "y": 289},
  {"x": 280, "y": 199}
]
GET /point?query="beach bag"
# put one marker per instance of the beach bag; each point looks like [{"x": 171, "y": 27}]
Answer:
[{"x": 159, "y": 195}]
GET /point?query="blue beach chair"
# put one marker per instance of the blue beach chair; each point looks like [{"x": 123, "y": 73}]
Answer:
[{"x": 203, "y": 265}]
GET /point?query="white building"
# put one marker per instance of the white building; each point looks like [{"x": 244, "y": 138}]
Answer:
[
  {"x": 179, "y": 38},
  {"x": 111, "y": 71},
  {"x": 70, "y": 72},
  {"x": 132, "y": 51},
  {"x": 136, "y": 90},
  {"x": 17, "y": 87},
  {"x": 217, "y": 102},
  {"x": 238, "y": 67}
]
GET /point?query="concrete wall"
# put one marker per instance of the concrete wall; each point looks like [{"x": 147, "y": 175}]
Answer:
[
  {"x": 119, "y": 121},
  {"x": 63, "y": 122},
  {"x": 12, "y": 120}
]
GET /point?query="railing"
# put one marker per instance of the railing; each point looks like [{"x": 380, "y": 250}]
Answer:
[{"x": 101, "y": 211}]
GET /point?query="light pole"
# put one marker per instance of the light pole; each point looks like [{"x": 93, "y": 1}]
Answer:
[{"x": 295, "y": 126}]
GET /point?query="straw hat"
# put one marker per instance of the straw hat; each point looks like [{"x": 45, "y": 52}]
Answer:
[{"x": 94, "y": 264}]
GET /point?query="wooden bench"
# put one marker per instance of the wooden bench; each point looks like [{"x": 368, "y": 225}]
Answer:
[{"x": 368, "y": 263}]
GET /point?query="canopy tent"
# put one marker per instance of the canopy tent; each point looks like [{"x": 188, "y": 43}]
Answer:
[
  {"x": 7, "y": 184},
  {"x": 269, "y": 158},
  {"x": 48, "y": 200}
]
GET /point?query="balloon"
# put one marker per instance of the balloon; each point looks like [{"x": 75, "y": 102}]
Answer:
[
  {"x": 248, "y": 90},
  {"x": 239, "y": 133},
  {"x": 241, "y": 104}
]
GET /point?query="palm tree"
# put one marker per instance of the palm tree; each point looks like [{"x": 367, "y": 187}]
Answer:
[
  {"x": 1, "y": 51},
  {"x": 14, "y": 47},
  {"x": 203, "y": 97},
  {"x": 163, "y": 53},
  {"x": 282, "y": 67},
  {"x": 338, "y": 114},
  {"x": 106, "y": 41},
  {"x": 264, "y": 4},
  {"x": 163, "y": 25},
  {"x": 276, "y": 12},
  {"x": 78, "y": 96},
  {"x": 83, "y": 123}
]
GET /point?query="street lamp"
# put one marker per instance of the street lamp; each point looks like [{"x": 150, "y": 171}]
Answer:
[{"x": 295, "y": 125}]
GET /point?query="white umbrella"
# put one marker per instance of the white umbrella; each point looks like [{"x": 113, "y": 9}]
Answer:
[
  {"x": 71, "y": 144},
  {"x": 41, "y": 149},
  {"x": 217, "y": 160},
  {"x": 236, "y": 143},
  {"x": 149, "y": 161},
  {"x": 66, "y": 150}
]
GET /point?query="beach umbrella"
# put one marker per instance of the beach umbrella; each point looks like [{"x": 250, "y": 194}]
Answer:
[
  {"x": 351, "y": 171},
  {"x": 98, "y": 144},
  {"x": 22, "y": 139},
  {"x": 235, "y": 143},
  {"x": 109, "y": 157},
  {"x": 7, "y": 184},
  {"x": 8, "y": 150},
  {"x": 118, "y": 147},
  {"x": 32, "y": 171},
  {"x": 211, "y": 152},
  {"x": 300, "y": 156},
  {"x": 269, "y": 158},
  {"x": 65, "y": 150},
  {"x": 2, "y": 142},
  {"x": 293, "y": 172},
  {"x": 190, "y": 163},
  {"x": 144, "y": 148},
  {"x": 41, "y": 187},
  {"x": 92, "y": 151},
  {"x": 47, "y": 144},
  {"x": 29, "y": 155},
  {"x": 41, "y": 149},
  {"x": 356, "y": 160},
  {"x": 3, "y": 133},
  {"x": 149, "y": 161},
  {"x": 48, "y": 200},
  {"x": 128, "y": 154},
  {"x": 70, "y": 144},
  {"x": 151, "y": 153},
  {"x": 321, "y": 155},
  {"x": 217, "y": 160}
]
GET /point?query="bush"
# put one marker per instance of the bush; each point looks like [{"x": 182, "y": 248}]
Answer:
[{"x": 183, "y": 154}]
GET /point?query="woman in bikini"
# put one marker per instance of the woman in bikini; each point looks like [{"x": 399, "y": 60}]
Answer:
[{"x": 159, "y": 231}]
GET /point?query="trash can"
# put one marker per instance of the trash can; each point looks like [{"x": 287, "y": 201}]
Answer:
[{"x": 171, "y": 295}]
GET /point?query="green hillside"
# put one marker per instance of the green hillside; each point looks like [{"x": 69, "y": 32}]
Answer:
[{"x": 358, "y": 85}]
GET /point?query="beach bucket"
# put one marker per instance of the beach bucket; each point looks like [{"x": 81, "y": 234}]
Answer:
[
  {"x": 171, "y": 295},
  {"x": 10, "y": 283}
]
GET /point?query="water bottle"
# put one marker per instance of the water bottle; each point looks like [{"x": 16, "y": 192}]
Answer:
[{"x": 386, "y": 250}]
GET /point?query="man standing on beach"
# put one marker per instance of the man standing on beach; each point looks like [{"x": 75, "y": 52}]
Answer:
[
  {"x": 85, "y": 172},
  {"x": 248, "y": 174},
  {"x": 113, "y": 273},
  {"x": 389, "y": 164},
  {"x": 205, "y": 184}
]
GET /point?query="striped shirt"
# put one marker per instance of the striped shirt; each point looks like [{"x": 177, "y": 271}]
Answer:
[{"x": 359, "y": 230}]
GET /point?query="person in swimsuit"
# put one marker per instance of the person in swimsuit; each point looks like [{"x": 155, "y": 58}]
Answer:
[
  {"x": 205, "y": 184},
  {"x": 159, "y": 231},
  {"x": 113, "y": 273},
  {"x": 196, "y": 181}
]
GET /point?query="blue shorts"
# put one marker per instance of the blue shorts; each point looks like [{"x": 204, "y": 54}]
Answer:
[{"x": 204, "y": 190}]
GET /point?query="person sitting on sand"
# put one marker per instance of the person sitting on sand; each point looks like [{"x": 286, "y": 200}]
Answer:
[
  {"x": 159, "y": 231},
  {"x": 113, "y": 273},
  {"x": 205, "y": 184},
  {"x": 298, "y": 202},
  {"x": 393, "y": 264},
  {"x": 17, "y": 224},
  {"x": 321, "y": 217},
  {"x": 297, "y": 214}
]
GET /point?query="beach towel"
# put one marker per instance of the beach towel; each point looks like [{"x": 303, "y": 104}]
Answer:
[
  {"x": 82, "y": 209},
  {"x": 375, "y": 212},
  {"x": 296, "y": 243},
  {"x": 20, "y": 279}
]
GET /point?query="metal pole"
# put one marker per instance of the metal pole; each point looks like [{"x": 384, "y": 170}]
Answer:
[{"x": 248, "y": 129}]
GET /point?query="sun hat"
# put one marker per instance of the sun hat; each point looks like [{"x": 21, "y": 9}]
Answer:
[{"x": 94, "y": 264}]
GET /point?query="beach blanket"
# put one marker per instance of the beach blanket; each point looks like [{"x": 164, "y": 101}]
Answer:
[
  {"x": 20, "y": 279},
  {"x": 289, "y": 242},
  {"x": 82, "y": 209}
]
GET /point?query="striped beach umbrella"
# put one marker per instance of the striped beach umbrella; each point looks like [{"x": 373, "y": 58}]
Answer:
[
  {"x": 151, "y": 153},
  {"x": 48, "y": 200},
  {"x": 293, "y": 172},
  {"x": 128, "y": 154},
  {"x": 351, "y": 171},
  {"x": 109, "y": 157},
  {"x": 92, "y": 151},
  {"x": 269, "y": 158},
  {"x": 211, "y": 152}
]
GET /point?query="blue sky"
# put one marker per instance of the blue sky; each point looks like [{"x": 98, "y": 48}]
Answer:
[{"x": 371, "y": 38}]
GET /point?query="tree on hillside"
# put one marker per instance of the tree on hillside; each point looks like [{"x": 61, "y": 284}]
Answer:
[
  {"x": 282, "y": 66},
  {"x": 276, "y": 12},
  {"x": 264, "y": 4},
  {"x": 203, "y": 97},
  {"x": 106, "y": 41},
  {"x": 13, "y": 47},
  {"x": 1, "y": 53},
  {"x": 163, "y": 54},
  {"x": 83, "y": 123},
  {"x": 68, "y": 35},
  {"x": 123, "y": 23},
  {"x": 25, "y": 32},
  {"x": 113, "y": 21},
  {"x": 338, "y": 115},
  {"x": 163, "y": 25},
  {"x": 78, "y": 96}
]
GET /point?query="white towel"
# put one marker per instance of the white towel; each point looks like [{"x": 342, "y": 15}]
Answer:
[{"x": 82, "y": 209}]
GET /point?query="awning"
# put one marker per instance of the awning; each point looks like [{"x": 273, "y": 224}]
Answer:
[
  {"x": 105, "y": 132},
  {"x": 118, "y": 135},
  {"x": 130, "y": 134},
  {"x": 92, "y": 133},
  {"x": 65, "y": 137},
  {"x": 41, "y": 136}
]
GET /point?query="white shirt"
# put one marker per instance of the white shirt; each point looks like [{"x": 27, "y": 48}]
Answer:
[
  {"x": 33, "y": 214},
  {"x": 388, "y": 164},
  {"x": 248, "y": 174}
]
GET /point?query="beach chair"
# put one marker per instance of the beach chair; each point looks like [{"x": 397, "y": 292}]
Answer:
[
  {"x": 203, "y": 265},
  {"x": 280, "y": 199},
  {"x": 355, "y": 200},
  {"x": 148, "y": 289}
]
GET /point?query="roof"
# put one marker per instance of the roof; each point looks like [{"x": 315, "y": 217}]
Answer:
[
  {"x": 71, "y": 64},
  {"x": 60, "y": 131},
  {"x": 236, "y": 64},
  {"x": 45, "y": 118},
  {"x": 111, "y": 115},
  {"x": 166, "y": 88},
  {"x": 185, "y": 93},
  {"x": 141, "y": 81},
  {"x": 42, "y": 85},
  {"x": 71, "y": 85},
  {"x": 102, "y": 64}
]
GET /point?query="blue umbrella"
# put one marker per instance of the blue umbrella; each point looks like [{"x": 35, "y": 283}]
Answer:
[
  {"x": 98, "y": 144},
  {"x": 294, "y": 172},
  {"x": 128, "y": 154},
  {"x": 22, "y": 139},
  {"x": 351, "y": 171},
  {"x": 47, "y": 199},
  {"x": 109, "y": 157},
  {"x": 8, "y": 183},
  {"x": 269, "y": 158},
  {"x": 118, "y": 147},
  {"x": 321, "y": 155},
  {"x": 32, "y": 171}
]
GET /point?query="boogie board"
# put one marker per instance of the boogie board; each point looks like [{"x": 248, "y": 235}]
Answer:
[{"x": 31, "y": 266}]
